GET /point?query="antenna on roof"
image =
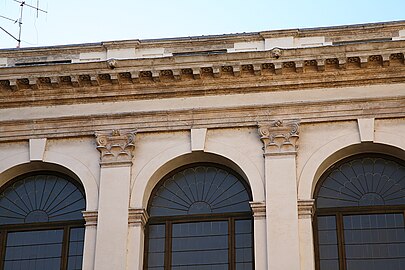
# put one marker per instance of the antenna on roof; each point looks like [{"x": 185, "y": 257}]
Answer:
[{"x": 19, "y": 20}]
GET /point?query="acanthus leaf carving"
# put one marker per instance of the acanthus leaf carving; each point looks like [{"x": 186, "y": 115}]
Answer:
[
  {"x": 116, "y": 147},
  {"x": 279, "y": 137}
]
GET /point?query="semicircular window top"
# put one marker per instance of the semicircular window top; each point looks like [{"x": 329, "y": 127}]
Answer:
[
  {"x": 360, "y": 205},
  {"x": 200, "y": 218},
  {"x": 41, "y": 222}
]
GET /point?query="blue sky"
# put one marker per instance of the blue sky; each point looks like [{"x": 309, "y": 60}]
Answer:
[{"x": 84, "y": 21}]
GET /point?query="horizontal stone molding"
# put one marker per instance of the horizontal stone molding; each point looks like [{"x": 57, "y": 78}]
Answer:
[
  {"x": 279, "y": 137},
  {"x": 346, "y": 60},
  {"x": 115, "y": 147},
  {"x": 258, "y": 209},
  {"x": 90, "y": 218},
  {"x": 157, "y": 121},
  {"x": 137, "y": 217},
  {"x": 306, "y": 208}
]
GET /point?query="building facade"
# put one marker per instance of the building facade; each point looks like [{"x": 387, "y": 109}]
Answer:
[{"x": 271, "y": 150}]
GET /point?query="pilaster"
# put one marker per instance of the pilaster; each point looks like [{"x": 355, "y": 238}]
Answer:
[
  {"x": 259, "y": 223},
  {"x": 116, "y": 153},
  {"x": 90, "y": 237},
  {"x": 306, "y": 209},
  {"x": 136, "y": 220},
  {"x": 280, "y": 144}
]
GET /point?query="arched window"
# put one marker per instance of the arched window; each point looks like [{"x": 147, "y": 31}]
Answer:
[
  {"x": 200, "y": 218},
  {"x": 41, "y": 223},
  {"x": 359, "y": 220}
]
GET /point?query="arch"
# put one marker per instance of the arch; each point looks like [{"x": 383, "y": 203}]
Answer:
[
  {"x": 340, "y": 148},
  {"x": 18, "y": 164},
  {"x": 179, "y": 155}
]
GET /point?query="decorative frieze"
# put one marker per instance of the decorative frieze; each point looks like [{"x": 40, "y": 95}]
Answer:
[
  {"x": 258, "y": 209},
  {"x": 306, "y": 208},
  {"x": 279, "y": 137},
  {"x": 91, "y": 218},
  {"x": 116, "y": 147},
  {"x": 137, "y": 217}
]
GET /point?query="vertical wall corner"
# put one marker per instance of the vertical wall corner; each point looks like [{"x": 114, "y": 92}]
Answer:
[
  {"x": 198, "y": 137},
  {"x": 37, "y": 149},
  {"x": 366, "y": 129}
]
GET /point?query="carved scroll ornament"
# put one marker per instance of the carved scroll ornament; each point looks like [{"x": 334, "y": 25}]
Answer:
[
  {"x": 279, "y": 137},
  {"x": 116, "y": 147}
]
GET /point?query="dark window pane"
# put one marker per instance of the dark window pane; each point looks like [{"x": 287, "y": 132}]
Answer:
[
  {"x": 156, "y": 248},
  {"x": 243, "y": 244},
  {"x": 327, "y": 243},
  {"x": 200, "y": 245},
  {"x": 375, "y": 241},
  {"x": 76, "y": 243},
  {"x": 34, "y": 250}
]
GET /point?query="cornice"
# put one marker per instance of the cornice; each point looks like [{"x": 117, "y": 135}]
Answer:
[{"x": 185, "y": 75}]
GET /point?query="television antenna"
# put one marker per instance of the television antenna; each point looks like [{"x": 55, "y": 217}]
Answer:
[{"x": 19, "y": 20}]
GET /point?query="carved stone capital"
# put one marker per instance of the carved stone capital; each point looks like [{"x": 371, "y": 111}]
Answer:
[
  {"x": 91, "y": 218},
  {"x": 306, "y": 208},
  {"x": 116, "y": 147},
  {"x": 137, "y": 217},
  {"x": 258, "y": 209},
  {"x": 279, "y": 137}
]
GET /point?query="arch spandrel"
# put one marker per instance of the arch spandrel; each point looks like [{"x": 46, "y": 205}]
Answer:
[
  {"x": 18, "y": 164},
  {"x": 180, "y": 155},
  {"x": 341, "y": 147}
]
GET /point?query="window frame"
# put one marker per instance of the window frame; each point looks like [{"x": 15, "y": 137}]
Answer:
[
  {"x": 339, "y": 212},
  {"x": 66, "y": 226},
  {"x": 168, "y": 221}
]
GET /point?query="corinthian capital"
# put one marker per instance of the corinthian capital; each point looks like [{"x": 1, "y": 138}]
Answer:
[
  {"x": 279, "y": 137},
  {"x": 116, "y": 147}
]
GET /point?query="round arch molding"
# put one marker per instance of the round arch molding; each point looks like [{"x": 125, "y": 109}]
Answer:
[
  {"x": 180, "y": 155},
  {"x": 340, "y": 148},
  {"x": 18, "y": 164}
]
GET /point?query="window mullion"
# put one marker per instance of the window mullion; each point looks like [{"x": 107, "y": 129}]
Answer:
[
  {"x": 341, "y": 241},
  {"x": 231, "y": 244},
  {"x": 65, "y": 247},
  {"x": 168, "y": 246}
]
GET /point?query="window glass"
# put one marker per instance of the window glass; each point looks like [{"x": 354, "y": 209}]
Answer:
[
  {"x": 34, "y": 250},
  {"x": 41, "y": 223},
  {"x": 200, "y": 219},
  {"x": 360, "y": 214}
]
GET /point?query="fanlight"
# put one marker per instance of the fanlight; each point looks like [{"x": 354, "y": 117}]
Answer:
[
  {"x": 200, "y": 190},
  {"x": 363, "y": 182},
  {"x": 41, "y": 198}
]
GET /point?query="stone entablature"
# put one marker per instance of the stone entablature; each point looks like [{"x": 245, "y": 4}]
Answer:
[
  {"x": 279, "y": 137},
  {"x": 116, "y": 147}
]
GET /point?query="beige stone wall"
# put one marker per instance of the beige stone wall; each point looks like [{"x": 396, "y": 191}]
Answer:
[{"x": 278, "y": 118}]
